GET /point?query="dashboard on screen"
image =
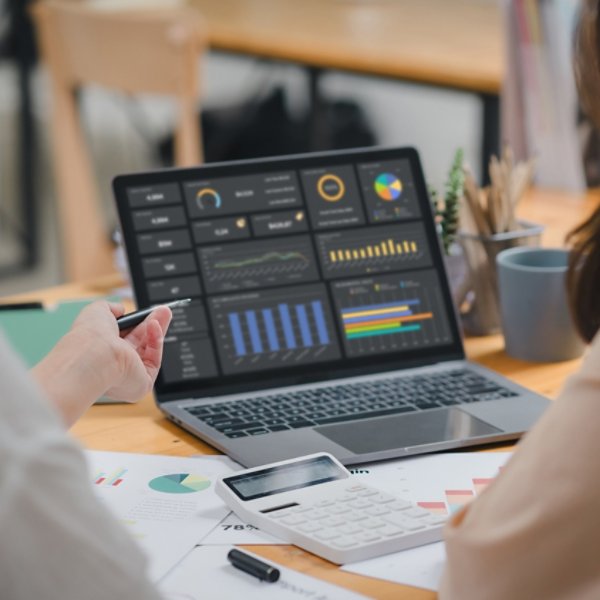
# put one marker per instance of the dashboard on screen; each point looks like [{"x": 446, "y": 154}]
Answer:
[{"x": 305, "y": 265}]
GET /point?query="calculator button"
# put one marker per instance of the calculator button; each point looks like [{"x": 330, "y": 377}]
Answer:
[
  {"x": 356, "y": 516},
  {"x": 382, "y": 499},
  {"x": 316, "y": 514},
  {"x": 367, "y": 536},
  {"x": 332, "y": 522},
  {"x": 416, "y": 513},
  {"x": 369, "y": 492},
  {"x": 396, "y": 519},
  {"x": 373, "y": 524},
  {"x": 293, "y": 520},
  {"x": 338, "y": 510},
  {"x": 309, "y": 527},
  {"x": 407, "y": 524},
  {"x": 301, "y": 509},
  {"x": 389, "y": 530},
  {"x": 349, "y": 529},
  {"x": 280, "y": 514},
  {"x": 360, "y": 503},
  {"x": 344, "y": 542},
  {"x": 375, "y": 511},
  {"x": 399, "y": 504},
  {"x": 345, "y": 498},
  {"x": 355, "y": 488},
  {"x": 435, "y": 520},
  {"x": 323, "y": 503},
  {"x": 327, "y": 534}
]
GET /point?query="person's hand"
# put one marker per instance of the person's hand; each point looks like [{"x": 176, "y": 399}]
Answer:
[
  {"x": 131, "y": 358},
  {"x": 95, "y": 359}
]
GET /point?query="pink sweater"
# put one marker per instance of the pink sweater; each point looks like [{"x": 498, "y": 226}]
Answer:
[{"x": 535, "y": 532}]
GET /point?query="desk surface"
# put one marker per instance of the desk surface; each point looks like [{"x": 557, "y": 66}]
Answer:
[
  {"x": 142, "y": 428},
  {"x": 456, "y": 44}
]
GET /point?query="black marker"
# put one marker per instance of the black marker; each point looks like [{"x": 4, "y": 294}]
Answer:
[
  {"x": 135, "y": 318},
  {"x": 21, "y": 306},
  {"x": 253, "y": 566}
]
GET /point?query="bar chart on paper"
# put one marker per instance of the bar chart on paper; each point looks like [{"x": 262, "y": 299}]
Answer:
[
  {"x": 114, "y": 479},
  {"x": 442, "y": 483},
  {"x": 274, "y": 328},
  {"x": 454, "y": 500}
]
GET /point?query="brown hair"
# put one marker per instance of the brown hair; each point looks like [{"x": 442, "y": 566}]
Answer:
[{"x": 583, "y": 279}]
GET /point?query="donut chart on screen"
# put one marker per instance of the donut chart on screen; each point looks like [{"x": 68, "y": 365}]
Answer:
[{"x": 388, "y": 187}]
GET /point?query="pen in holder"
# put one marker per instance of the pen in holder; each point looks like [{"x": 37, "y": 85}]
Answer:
[{"x": 488, "y": 225}]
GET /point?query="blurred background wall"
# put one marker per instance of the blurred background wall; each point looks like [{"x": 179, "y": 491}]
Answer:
[{"x": 128, "y": 135}]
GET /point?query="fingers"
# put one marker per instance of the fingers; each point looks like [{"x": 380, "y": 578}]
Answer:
[
  {"x": 152, "y": 352},
  {"x": 144, "y": 345},
  {"x": 116, "y": 308},
  {"x": 161, "y": 315},
  {"x": 99, "y": 316}
]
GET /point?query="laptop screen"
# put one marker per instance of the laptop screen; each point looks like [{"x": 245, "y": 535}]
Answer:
[{"x": 300, "y": 269}]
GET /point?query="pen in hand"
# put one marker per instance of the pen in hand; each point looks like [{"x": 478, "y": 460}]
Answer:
[
  {"x": 253, "y": 566},
  {"x": 135, "y": 318}
]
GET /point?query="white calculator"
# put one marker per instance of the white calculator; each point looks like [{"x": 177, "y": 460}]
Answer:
[{"x": 315, "y": 503}]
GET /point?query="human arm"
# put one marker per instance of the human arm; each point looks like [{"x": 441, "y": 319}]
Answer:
[
  {"x": 58, "y": 541},
  {"x": 94, "y": 359},
  {"x": 535, "y": 532}
]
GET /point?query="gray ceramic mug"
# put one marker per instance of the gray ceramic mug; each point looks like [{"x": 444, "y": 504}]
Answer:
[{"x": 536, "y": 321}]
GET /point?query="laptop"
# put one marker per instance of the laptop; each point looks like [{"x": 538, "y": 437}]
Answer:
[{"x": 321, "y": 319}]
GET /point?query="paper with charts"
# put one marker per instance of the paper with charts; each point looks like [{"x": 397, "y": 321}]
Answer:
[
  {"x": 232, "y": 531},
  {"x": 206, "y": 573},
  {"x": 441, "y": 483},
  {"x": 167, "y": 503}
]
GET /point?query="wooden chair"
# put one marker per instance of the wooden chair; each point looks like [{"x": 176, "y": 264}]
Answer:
[{"x": 153, "y": 52}]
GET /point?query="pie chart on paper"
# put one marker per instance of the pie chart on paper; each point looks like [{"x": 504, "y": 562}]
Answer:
[
  {"x": 180, "y": 483},
  {"x": 388, "y": 187}
]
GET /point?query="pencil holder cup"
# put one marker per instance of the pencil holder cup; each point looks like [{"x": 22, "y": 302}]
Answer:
[
  {"x": 536, "y": 320},
  {"x": 478, "y": 299}
]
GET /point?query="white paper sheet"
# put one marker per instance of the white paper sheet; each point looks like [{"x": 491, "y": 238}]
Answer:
[
  {"x": 426, "y": 480},
  {"x": 231, "y": 531},
  {"x": 429, "y": 478},
  {"x": 167, "y": 503},
  {"x": 420, "y": 567},
  {"x": 206, "y": 573}
]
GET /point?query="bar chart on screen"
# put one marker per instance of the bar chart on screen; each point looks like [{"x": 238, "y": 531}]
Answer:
[
  {"x": 274, "y": 328},
  {"x": 373, "y": 250},
  {"x": 391, "y": 312}
]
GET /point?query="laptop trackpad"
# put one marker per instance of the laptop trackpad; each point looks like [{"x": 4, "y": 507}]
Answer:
[{"x": 402, "y": 431}]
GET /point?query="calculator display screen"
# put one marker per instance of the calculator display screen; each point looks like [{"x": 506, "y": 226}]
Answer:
[{"x": 284, "y": 478}]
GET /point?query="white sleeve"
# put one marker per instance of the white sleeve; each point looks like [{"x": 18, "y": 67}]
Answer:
[{"x": 57, "y": 541}]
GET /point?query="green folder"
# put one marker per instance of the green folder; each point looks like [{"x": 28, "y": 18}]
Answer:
[{"x": 32, "y": 333}]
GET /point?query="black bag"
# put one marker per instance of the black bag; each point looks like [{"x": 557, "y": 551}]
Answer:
[{"x": 266, "y": 128}]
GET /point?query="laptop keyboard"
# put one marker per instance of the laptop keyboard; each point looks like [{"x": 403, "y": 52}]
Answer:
[{"x": 347, "y": 402}]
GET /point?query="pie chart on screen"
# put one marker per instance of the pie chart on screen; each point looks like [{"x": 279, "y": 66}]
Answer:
[
  {"x": 388, "y": 187},
  {"x": 180, "y": 483}
]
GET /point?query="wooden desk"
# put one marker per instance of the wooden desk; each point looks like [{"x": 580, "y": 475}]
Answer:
[
  {"x": 456, "y": 44},
  {"x": 142, "y": 428},
  {"x": 452, "y": 44}
]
